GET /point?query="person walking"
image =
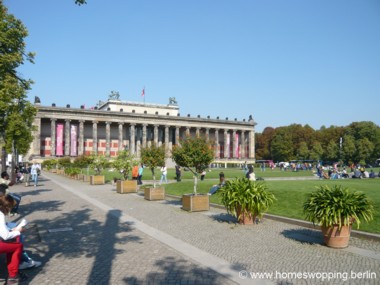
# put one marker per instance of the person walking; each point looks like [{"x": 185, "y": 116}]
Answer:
[
  {"x": 139, "y": 177},
  {"x": 178, "y": 173},
  {"x": 34, "y": 172},
  {"x": 164, "y": 173}
]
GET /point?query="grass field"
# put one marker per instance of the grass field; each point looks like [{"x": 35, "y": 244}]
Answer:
[{"x": 290, "y": 194}]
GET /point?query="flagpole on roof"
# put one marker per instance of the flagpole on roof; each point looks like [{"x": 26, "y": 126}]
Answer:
[{"x": 143, "y": 94}]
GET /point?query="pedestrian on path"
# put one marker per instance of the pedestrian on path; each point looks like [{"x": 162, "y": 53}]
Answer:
[
  {"x": 164, "y": 173},
  {"x": 34, "y": 172},
  {"x": 140, "y": 174}
]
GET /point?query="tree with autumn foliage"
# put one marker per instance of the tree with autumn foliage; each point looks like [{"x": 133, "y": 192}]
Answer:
[
  {"x": 153, "y": 157},
  {"x": 194, "y": 152}
]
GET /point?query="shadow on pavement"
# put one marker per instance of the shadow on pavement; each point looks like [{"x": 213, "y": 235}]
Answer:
[{"x": 304, "y": 236}]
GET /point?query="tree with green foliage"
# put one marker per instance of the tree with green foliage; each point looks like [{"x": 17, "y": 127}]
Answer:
[
  {"x": 98, "y": 162},
  {"x": 282, "y": 146},
  {"x": 16, "y": 112},
  {"x": 316, "y": 152},
  {"x": 153, "y": 157},
  {"x": 124, "y": 163},
  {"x": 348, "y": 149},
  {"x": 194, "y": 152}
]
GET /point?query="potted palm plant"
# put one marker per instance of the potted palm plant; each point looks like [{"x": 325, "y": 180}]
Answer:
[
  {"x": 97, "y": 163},
  {"x": 152, "y": 157},
  {"x": 194, "y": 154},
  {"x": 124, "y": 163},
  {"x": 246, "y": 199},
  {"x": 335, "y": 209}
]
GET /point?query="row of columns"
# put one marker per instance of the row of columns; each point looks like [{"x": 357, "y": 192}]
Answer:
[{"x": 132, "y": 144}]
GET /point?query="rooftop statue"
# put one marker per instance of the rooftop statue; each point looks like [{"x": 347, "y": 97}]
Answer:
[
  {"x": 172, "y": 101},
  {"x": 114, "y": 96}
]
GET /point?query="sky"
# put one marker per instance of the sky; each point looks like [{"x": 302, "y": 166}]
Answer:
[{"x": 283, "y": 62}]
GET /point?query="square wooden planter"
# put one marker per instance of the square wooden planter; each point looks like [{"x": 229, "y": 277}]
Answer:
[
  {"x": 152, "y": 194},
  {"x": 97, "y": 180},
  {"x": 86, "y": 178},
  {"x": 195, "y": 203},
  {"x": 80, "y": 177},
  {"x": 126, "y": 186}
]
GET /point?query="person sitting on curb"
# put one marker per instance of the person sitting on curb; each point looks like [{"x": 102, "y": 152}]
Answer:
[
  {"x": 10, "y": 243},
  {"x": 251, "y": 174},
  {"x": 215, "y": 188}
]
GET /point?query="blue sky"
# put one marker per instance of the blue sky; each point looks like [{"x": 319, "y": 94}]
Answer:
[{"x": 283, "y": 62}]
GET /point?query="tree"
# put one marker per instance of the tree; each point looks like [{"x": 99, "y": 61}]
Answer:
[
  {"x": 364, "y": 150},
  {"x": 124, "y": 163},
  {"x": 316, "y": 152},
  {"x": 303, "y": 151},
  {"x": 348, "y": 149},
  {"x": 194, "y": 152},
  {"x": 16, "y": 113},
  {"x": 98, "y": 163},
  {"x": 282, "y": 145},
  {"x": 332, "y": 151},
  {"x": 153, "y": 157}
]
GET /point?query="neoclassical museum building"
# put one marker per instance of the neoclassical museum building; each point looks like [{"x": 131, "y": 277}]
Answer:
[{"x": 115, "y": 125}]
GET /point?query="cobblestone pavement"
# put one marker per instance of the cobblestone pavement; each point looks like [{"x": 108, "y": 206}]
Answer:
[{"x": 93, "y": 235}]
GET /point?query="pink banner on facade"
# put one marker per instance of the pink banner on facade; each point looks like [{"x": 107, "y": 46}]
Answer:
[
  {"x": 237, "y": 146},
  {"x": 73, "y": 140},
  {"x": 59, "y": 140}
]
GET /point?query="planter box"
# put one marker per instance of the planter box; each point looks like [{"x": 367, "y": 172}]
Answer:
[
  {"x": 86, "y": 178},
  {"x": 195, "y": 203},
  {"x": 53, "y": 170},
  {"x": 97, "y": 180},
  {"x": 126, "y": 186},
  {"x": 80, "y": 177},
  {"x": 157, "y": 193}
]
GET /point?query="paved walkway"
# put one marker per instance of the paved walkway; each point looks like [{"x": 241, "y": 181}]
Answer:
[{"x": 92, "y": 235}]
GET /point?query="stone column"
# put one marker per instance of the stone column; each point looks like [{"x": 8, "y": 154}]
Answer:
[
  {"x": 251, "y": 144},
  {"x": 95, "y": 137},
  {"x": 35, "y": 145},
  {"x": 187, "y": 131},
  {"x": 120, "y": 137},
  {"x": 67, "y": 137},
  {"x": 144, "y": 134},
  {"x": 167, "y": 138},
  {"x": 217, "y": 144},
  {"x": 197, "y": 132},
  {"x": 226, "y": 146},
  {"x": 155, "y": 135},
  {"x": 108, "y": 138},
  {"x": 177, "y": 135},
  {"x": 132, "y": 140},
  {"x": 207, "y": 134},
  {"x": 81, "y": 138},
  {"x": 234, "y": 145},
  {"x": 243, "y": 155},
  {"x": 53, "y": 127}
]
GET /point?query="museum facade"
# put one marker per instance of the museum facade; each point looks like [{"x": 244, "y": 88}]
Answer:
[{"x": 116, "y": 125}]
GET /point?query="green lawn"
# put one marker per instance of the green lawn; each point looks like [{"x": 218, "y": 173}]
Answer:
[{"x": 291, "y": 195}]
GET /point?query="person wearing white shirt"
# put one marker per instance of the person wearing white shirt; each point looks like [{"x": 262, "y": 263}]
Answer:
[{"x": 10, "y": 242}]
